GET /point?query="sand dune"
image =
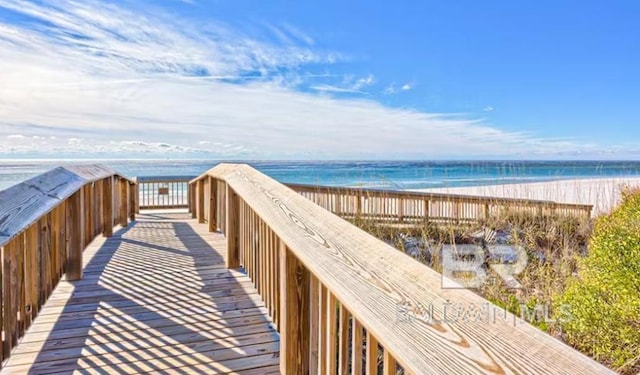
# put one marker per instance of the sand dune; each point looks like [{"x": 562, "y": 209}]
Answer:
[{"x": 602, "y": 193}]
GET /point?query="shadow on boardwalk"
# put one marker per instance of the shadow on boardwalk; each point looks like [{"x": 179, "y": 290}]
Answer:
[{"x": 155, "y": 297}]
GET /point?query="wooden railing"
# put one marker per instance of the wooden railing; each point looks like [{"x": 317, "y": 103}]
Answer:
[
  {"x": 159, "y": 192},
  {"x": 45, "y": 224},
  {"x": 346, "y": 302},
  {"x": 414, "y": 207}
]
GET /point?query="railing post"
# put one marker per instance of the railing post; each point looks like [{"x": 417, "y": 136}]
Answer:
[
  {"x": 294, "y": 309},
  {"x": 136, "y": 196},
  {"x": 107, "y": 204},
  {"x": 231, "y": 229},
  {"x": 192, "y": 199},
  {"x": 133, "y": 201},
  {"x": 124, "y": 202},
  {"x": 213, "y": 192},
  {"x": 200, "y": 201},
  {"x": 75, "y": 244},
  {"x": 400, "y": 203},
  {"x": 425, "y": 210},
  {"x": 358, "y": 204}
]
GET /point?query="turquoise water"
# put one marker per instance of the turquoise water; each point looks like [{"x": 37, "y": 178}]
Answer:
[{"x": 376, "y": 174}]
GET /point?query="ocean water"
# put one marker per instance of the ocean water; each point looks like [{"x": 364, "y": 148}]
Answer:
[{"x": 371, "y": 174}]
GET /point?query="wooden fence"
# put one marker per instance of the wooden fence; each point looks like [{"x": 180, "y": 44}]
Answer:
[
  {"x": 340, "y": 297},
  {"x": 414, "y": 207},
  {"x": 45, "y": 224}
]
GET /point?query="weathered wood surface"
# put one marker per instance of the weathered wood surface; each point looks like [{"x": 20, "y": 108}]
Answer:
[
  {"x": 372, "y": 279},
  {"x": 22, "y": 204},
  {"x": 155, "y": 297}
]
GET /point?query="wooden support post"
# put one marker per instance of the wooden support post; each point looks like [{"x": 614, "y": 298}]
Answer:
[
  {"x": 331, "y": 334},
  {"x": 124, "y": 202},
  {"x": 232, "y": 228},
  {"x": 21, "y": 286},
  {"x": 356, "y": 347},
  {"x": 75, "y": 227},
  {"x": 136, "y": 196},
  {"x": 32, "y": 271},
  {"x": 343, "y": 340},
  {"x": 8, "y": 300},
  {"x": 314, "y": 320},
  {"x": 200, "y": 201},
  {"x": 358, "y": 204},
  {"x": 400, "y": 209},
  {"x": 192, "y": 199},
  {"x": 294, "y": 307},
  {"x": 213, "y": 193},
  {"x": 389, "y": 367},
  {"x": 107, "y": 207},
  {"x": 133, "y": 201},
  {"x": 372, "y": 355},
  {"x": 425, "y": 209}
]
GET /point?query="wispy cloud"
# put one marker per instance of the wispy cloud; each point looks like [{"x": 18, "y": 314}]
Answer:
[
  {"x": 488, "y": 109},
  {"x": 389, "y": 90},
  {"x": 393, "y": 89},
  {"x": 349, "y": 84},
  {"x": 94, "y": 78},
  {"x": 337, "y": 89},
  {"x": 298, "y": 34}
]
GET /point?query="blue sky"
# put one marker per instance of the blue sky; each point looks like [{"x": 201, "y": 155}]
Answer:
[{"x": 314, "y": 80}]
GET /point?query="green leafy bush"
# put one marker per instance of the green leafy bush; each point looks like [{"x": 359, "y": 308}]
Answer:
[{"x": 605, "y": 295}]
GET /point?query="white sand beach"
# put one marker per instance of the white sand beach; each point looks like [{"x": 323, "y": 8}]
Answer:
[{"x": 602, "y": 193}]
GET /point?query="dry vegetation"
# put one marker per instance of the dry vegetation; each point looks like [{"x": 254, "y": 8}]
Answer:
[{"x": 557, "y": 248}]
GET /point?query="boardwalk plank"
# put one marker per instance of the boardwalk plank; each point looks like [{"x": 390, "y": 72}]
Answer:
[{"x": 155, "y": 297}]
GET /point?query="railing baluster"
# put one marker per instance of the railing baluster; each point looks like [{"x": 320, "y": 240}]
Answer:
[
  {"x": 233, "y": 259},
  {"x": 356, "y": 347},
  {"x": 294, "y": 304},
  {"x": 343, "y": 349},
  {"x": 389, "y": 367},
  {"x": 372, "y": 355}
]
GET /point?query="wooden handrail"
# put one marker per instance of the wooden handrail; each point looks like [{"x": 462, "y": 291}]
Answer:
[
  {"x": 319, "y": 275},
  {"x": 418, "y": 207},
  {"x": 45, "y": 224}
]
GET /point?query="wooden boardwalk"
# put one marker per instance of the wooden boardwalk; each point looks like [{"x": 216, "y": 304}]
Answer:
[{"x": 156, "y": 297}]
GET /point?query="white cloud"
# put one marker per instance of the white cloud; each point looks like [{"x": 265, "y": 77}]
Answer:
[
  {"x": 336, "y": 89},
  {"x": 349, "y": 84},
  {"x": 361, "y": 83},
  {"x": 124, "y": 83},
  {"x": 391, "y": 89},
  {"x": 406, "y": 87},
  {"x": 488, "y": 109},
  {"x": 16, "y": 136}
]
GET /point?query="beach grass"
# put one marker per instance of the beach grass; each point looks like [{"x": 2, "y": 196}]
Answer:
[{"x": 558, "y": 252}]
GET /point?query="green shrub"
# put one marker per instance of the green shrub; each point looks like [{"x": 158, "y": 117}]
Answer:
[{"x": 605, "y": 295}]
